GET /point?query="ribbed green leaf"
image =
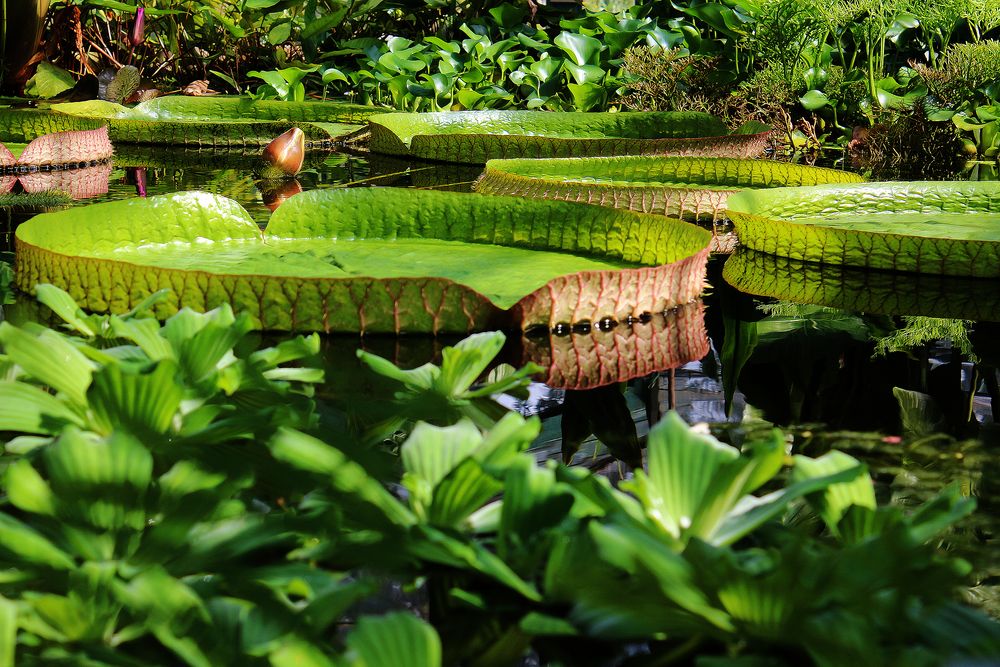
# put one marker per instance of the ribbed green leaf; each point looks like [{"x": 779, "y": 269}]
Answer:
[
  {"x": 932, "y": 227},
  {"x": 369, "y": 259},
  {"x": 20, "y": 544},
  {"x": 100, "y": 482},
  {"x": 143, "y": 404},
  {"x": 835, "y": 499},
  {"x": 50, "y": 359},
  {"x": 27, "y": 490},
  {"x": 463, "y": 363},
  {"x": 478, "y": 136},
  {"x": 394, "y": 639},
  {"x": 63, "y": 305},
  {"x": 299, "y": 653},
  {"x": 533, "y": 501},
  {"x": 184, "y": 120},
  {"x": 346, "y": 476},
  {"x": 465, "y": 489},
  {"x": 687, "y": 187},
  {"x": 431, "y": 452},
  {"x": 682, "y": 467},
  {"x": 28, "y": 409},
  {"x": 8, "y": 632}
]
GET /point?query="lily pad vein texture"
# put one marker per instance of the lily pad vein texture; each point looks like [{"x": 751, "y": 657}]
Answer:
[
  {"x": 476, "y": 137},
  {"x": 194, "y": 121},
  {"x": 691, "y": 188},
  {"x": 370, "y": 260},
  {"x": 949, "y": 228}
]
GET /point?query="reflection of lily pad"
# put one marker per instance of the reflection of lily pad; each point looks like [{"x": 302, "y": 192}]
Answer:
[
  {"x": 687, "y": 187},
  {"x": 928, "y": 227},
  {"x": 477, "y": 136},
  {"x": 371, "y": 259},
  {"x": 848, "y": 288},
  {"x": 606, "y": 356},
  {"x": 201, "y": 121}
]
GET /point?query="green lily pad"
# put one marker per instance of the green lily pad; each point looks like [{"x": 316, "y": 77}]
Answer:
[
  {"x": 926, "y": 227},
  {"x": 861, "y": 290},
  {"x": 475, "y": 137},
  {"x": 370, "y": 260},
  {"x": 181, "y": 120},
  {"x": 687, "y": 187}
]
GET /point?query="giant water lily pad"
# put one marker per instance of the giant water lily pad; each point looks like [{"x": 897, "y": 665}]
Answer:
[
  {"x": 862, "y": 290},
  {"x": 608, "y": 355},
  {"x": 688, "y": 187},
  {"x": 370, "y": 260},
  {"x": 475, "y": 137},
  {"x": 928, "y": 227},
  {"x": 182, "y": 120}
]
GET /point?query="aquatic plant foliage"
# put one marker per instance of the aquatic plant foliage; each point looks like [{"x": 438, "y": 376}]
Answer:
[
  {"x": 926, "y": 227},
  {"x": 850, "y": 288},
  {"x": 692, "y": 188},
  {"x": 182, "y": 120},
  {"x": 475, "y": 137},
  {"x": 370, "y": 260}
]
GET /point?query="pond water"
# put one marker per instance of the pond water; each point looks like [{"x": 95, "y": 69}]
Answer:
[{"x": 904, "y": 382}]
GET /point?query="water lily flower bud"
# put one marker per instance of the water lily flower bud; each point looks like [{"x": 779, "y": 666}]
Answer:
[
  {"x": 138, "y": 28},
  {"x": 284, "y": 155}
]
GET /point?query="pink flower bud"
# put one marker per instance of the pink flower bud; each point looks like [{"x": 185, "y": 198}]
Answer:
[{"x": 138, "y": 28}]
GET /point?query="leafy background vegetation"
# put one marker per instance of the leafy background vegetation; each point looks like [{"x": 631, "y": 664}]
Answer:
[{"x": 823, "y": 70}]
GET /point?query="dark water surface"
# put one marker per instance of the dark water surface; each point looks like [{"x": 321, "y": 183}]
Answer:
[{"x": 895, "y": 370}]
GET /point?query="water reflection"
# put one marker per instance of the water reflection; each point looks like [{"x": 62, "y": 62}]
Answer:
[
  {"x": 598, "y": 357},
  {"x": 850, "y": 288}
]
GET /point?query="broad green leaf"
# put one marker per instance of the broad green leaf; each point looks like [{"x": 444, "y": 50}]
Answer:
[
  {"x": 220, "y": 121},
  {"x": 463, "y": 363},
  {"x": 431, "y": 452},
  {"x": 814, "y": 99},
  {"x": 346, "y": 476},
  {"x": 299, "y": 653},
  {"x": 403, "y": 260},
  {"x": 63, "y": 305},
  {"x": 49, "y": 80},
  {"x": 688, "y": 187},
  {"x": 835, "y": 499},
  {"x": 398, "y": 638},
  {"x": 50, "y": 359},
  {"x": 943, "y": 228},
  {"x": 143, "y": 404},
  {"x": 582, "y": 49},
  {"x": 22, "y": 544},
  {"x": 476, "y": 137},
  {"x": 27, "y": 490},
  {"x": 8, "y": 632},
  {"x": 28, "y": 409},
  {"x": 107, "y": 479}
]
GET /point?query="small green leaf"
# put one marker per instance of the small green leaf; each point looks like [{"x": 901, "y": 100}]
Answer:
[
  {"x": 398, "y": 638},
  {"x": 814, "y": 100},
  {"x": 49, "y": 80}
]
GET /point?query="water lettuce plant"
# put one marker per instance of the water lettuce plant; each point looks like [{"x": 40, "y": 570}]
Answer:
[
  {"x": 201, "y": 121},
  {"x": 856, "y": 289},
  {"x": 691, "y": 188},
  {"x": 478, "y": 136},
  {"x": 168, "y": 500},
  {"x": 370, "y": 260},
  {"x": 923, "y": 227}
]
